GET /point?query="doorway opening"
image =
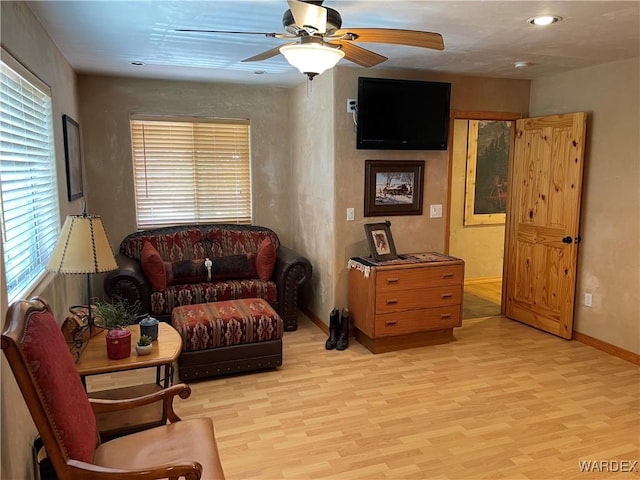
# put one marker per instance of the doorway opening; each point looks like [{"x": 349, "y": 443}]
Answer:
[{"x": 481, "y": 146}]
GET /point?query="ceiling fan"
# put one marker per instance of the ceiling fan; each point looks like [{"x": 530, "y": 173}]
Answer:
[{"x": 320, "y": 41}]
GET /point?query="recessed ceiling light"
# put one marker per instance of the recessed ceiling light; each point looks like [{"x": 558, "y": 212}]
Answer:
[
  {"x": 137, "y": 64},
  {"x": 521, "y": 64},
  {"x": 259, "y": 72},
  {"x": 542, "y": 20}
]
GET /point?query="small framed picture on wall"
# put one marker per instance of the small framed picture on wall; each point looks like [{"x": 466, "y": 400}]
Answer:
[{"x": 73, "y": 157}]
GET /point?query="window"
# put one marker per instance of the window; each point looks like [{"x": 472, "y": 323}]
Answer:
[
  {"x": 29, "y": 215},
  {"x": 191, "y": 170}
]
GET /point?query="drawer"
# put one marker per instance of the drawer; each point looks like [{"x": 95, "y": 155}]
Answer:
[
  {"x": 399, "y": 300},
  {"x": 409, "y": 278},
  {"x": 401, "y": 323}
]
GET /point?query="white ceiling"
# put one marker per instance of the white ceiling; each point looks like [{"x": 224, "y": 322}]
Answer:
[{"x": 481, "y": 37}]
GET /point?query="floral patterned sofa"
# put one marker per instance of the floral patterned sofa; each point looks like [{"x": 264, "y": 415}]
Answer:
[{"x": 168, "y": 267}]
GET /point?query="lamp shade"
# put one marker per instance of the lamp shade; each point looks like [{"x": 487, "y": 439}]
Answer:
[
  {"x": 82, "y": 247},
  {"x": 311, "y": 58}
]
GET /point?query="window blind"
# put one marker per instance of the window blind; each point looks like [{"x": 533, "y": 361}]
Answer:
[
  {"x": 191, "y": 171},
  {"x": 28, "y": 187}
]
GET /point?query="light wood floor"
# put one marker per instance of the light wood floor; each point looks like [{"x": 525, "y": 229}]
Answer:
[
  {"x": 489, "y": 290},
  {"x": 503, "y": 401}
]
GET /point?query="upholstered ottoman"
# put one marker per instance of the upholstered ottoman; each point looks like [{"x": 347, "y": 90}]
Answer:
[{"x": 227, "y": 337}]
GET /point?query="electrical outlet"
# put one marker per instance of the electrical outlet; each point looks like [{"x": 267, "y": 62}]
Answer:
[
  {"x": 588, "y": 299},
  {"x": 435, "y": 211},
  {"x": 352, "y": 105}
]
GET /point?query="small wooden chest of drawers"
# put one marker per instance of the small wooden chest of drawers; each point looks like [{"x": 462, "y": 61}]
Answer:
[{"x": 403, "y": 305}]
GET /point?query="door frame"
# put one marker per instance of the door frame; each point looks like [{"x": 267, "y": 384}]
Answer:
[{"x": 476, "y": 115}]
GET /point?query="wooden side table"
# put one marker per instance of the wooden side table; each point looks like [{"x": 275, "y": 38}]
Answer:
[{"x": 93, "y": 361}]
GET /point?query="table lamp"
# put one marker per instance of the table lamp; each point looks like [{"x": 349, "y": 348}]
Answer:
[{"x": 83, "y": 247}]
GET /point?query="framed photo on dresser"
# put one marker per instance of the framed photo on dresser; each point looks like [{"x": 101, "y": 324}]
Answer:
[{"x": 380, "y": 241}]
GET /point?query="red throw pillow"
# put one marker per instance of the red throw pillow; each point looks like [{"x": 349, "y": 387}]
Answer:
[
  {"x": 153, "y": 267},
  {"x": 265, "y": 259}
]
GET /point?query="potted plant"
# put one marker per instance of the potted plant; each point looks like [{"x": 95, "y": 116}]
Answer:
[
  {"x": 115, "y": 317},
  {"x": 144, "y": 346},
  {"x": 116, "y": 314}
]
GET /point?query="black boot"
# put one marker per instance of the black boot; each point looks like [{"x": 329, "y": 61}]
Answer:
[
  {"x": 343, "y": 339},
  {"x": 334, "y": 329}
]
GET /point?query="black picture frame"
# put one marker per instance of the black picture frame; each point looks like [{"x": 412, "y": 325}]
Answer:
[
  {"x": 73, "y": 157},
  {"x": 380, "y": 241},
  {"x": 393, "y": 187}
]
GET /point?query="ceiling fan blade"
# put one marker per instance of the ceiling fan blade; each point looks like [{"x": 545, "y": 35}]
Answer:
[
  {"x": 412, "y": 38},
  {"x": 309, "y": 16},
  {"x": 359, "y": 55},
  {"x": 266, "y": 34},
  {"x": 267, "y": 54}
]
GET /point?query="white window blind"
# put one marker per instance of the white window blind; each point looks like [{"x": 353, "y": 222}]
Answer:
[
  {"x": 28, "y": 193},
  {"x": 191, "y": 171}
]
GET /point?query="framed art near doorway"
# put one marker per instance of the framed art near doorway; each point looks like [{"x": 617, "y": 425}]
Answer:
[{"x": 486, "y": 177}]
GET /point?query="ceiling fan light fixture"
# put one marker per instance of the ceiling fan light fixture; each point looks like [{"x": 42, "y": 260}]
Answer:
[
  {"x": 542, "y": 20},
  {"x": 311, "y": 58}
]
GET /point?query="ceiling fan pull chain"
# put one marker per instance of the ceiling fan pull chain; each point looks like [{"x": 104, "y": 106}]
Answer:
[{"x": 309, "y": 86}]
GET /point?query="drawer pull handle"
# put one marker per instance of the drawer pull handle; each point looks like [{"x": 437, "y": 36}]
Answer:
[
  {"x": 445, "y": 316},
  {"x": 446, "y": 295},
  {"x": 448, "y": 275},
  {"x": 392, "y": 301},
  {"x": 392, "y": 281},
  {"x": 390, "y": 323}
]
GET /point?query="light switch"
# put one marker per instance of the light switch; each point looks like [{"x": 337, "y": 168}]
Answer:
[
  {"x": 435, "y": 211},
  {"x": 350, "y": 214},
  {"x": 588, "y": 299}
]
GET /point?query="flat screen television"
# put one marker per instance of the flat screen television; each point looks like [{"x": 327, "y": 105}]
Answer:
[{"x": 402, "y": 114}]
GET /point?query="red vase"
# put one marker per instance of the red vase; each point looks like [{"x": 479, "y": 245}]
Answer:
[{"x": 118, "y": 343}]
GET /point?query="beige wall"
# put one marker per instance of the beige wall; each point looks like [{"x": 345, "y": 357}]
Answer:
[
  {"x": 314, "y": 184},
  {"x": 306, "y": 168},
  {"x": 410, "y": 233},
  {"x": 608, "y": 261},
  {"x": 26, "y": 40},
  {"x": 481, "y": 246},
  {"x": 106, "y": 106}
]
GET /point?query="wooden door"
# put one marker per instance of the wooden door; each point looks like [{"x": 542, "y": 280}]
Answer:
[{"x": 542, "y": 236}]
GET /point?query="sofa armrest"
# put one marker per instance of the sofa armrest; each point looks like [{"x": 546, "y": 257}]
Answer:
[
  {"x": 129, "y": 283},
  {"x": 291, "y": 272}
]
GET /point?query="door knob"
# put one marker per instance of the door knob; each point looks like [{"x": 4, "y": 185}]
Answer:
[{"x": 569, "y": 240}]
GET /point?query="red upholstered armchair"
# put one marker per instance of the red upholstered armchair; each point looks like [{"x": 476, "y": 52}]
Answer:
[{"x": 65, "y": 417}]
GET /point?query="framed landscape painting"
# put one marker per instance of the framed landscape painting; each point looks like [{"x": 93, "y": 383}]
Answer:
[
  {"x": 485, "y": 198},
  {"x": 393, "y": 187}
]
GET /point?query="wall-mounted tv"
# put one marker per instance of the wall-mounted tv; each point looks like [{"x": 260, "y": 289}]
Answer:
[{"x": 402, "y": 114}]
